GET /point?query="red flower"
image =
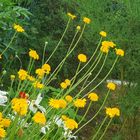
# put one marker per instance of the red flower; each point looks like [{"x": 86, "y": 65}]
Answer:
[{"x": 22, "y": 94}]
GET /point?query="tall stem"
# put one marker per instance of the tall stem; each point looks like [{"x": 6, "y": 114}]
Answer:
[
  {"x": 99, "y": 128},
  {"x": 106, "y": 129},
  {"x": 59, "y": 40}
]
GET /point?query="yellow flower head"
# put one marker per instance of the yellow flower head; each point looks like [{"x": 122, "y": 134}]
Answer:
[
  {"x": 38, "y": 85},
  {"x": 47, "y": 68},
  {"x": 62, "y": 103},
  {"x": 30, "y": 78},
  {"x": 71, "y": 15},
  {"x": 63, "y": 85},
  {"x": 1, "y": 116},
  {"x": 86, "y": 20},
  {"x": 111, "y": 86},
  {"x": 2, "y": 133},
  {"x": 39, "y": 118},
  {"x": 22, "y": 74},
  {"x": 68, "y": 98},
  {"x": 20, "y": 106},
  {"x": 40, "y": 72},
  {"x": 54, "y": 103},
  {"x": 103, "y": 34},
  {"x": 64, "y": 117},
  {"x": 33, "y": 54},
  {"x": 57, "y": 103},
  {"x": 104, "y": 49},
  {"x": 93, "y": 97},
  {"x": 80, "y": 103},
  {"x": 5, "y": 122},
  {"x": 112, "y": 112},
  {"x": 68, "y": 82},
  {"x": 119, "y": 52},
  {"x": 78, "y": 27},
  {"x": 0, "y": 56},
  {"x": 71, "y": 124},
  {"x": 82, "y": 58},
  {"x": 111, "y": 44},
  {"x": 18, "y": 28},
  {"x": 12, "y": 77}
]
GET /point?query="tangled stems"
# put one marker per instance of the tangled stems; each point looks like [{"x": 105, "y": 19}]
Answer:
[
  {"x": 58, "y": 68},
  {"x": 9, "y": 44},
  {"x": 106, "y": 129},
  {"x": 103, "y": 78},
  {"x": 95, "y": 114},
  {"x": 74, "y": 78},
  {"x": 59, "y": 40},
  {"x": 95, "y": 76},
  {"x": 99, "y": 128},
  {"x": 49, "y": 80},
  {"x": 92, "y": 58}
]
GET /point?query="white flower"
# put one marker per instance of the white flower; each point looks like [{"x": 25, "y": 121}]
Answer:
[
  {"x": 3, "y": 98},
  {"x": 68, "y": 135},
  {"x": 34, "y": 105},
  {"x": 58, "y": 121}
]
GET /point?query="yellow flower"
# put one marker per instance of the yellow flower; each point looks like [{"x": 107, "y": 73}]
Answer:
[
  {"x": 62, "y": 103},
  {"x": 93, "y": 97},
  {"x": 33, "y": 54},
  {"x": 82, "y": 58},
  {"x": 39, "y": 118},
  {"x": 30, "y": 78},
  {"x": 71, "y": 124},
  {"x": 2, "y": 133},
  {"x": 57, "y": 103},
  {"x": 111, "y": 44},
  {"x": 54, "y": 103},
  {"x": 104, "y": 49},
  {"x": 22, "y": 74},
  {"x": 20, "y": 106},
  {"x": 86, "y": 20},
  {"x": 0, "y": 56},
  {"x": 80, "y": 103},
  {"x": 112, "y": 112},
  {"x": 47, "y": 68},
  {"x": 12, "y": 77},
  {"x": 103, "y": 34},
  {"x": 38, "y": 85},
  {"x": 78, "y": 27},
  {"x": 68, "y": 98},
  {"x": 119, "y": 52},
  {"x": 111, "y": 86},
  {"x": 64, "y": 117},
  {"x": 40, "y": 72},
  {"x": 71, "y": 15},
  {"x": 63, "y": 85},
  {"x": 1, "y": 116},
  {"x": 18, "y": 28},
  {"x": 68, "y": 82},
  {"x": 5, "y": 122}
]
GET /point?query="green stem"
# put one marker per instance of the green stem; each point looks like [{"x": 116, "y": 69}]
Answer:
[
  {"x": 106, "y": 129},
  {"x": 13, "y": 129},
  {"x": 85, "y": 112},
  {"x": 95, "y": 114},
  {"x": 9, "y": 43},
  {"x": 99, "y": 128},
  {"x": 43, "y": 59},
  {"x": 103, "y": 78},
  {"x": 59, "y": 40}
]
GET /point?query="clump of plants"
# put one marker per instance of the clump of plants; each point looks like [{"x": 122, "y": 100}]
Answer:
[{"x": 32, "y": 109}]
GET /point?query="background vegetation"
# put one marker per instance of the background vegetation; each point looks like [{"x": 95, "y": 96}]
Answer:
[{"x": 45, "y": 20}]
